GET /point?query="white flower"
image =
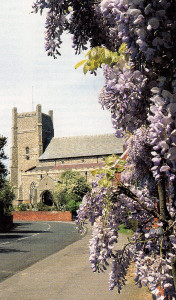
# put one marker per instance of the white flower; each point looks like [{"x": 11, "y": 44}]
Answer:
[
  {"x": 164, "y": 168},
  {"x": 134, "y": 12},
  {"x": 155, "y": 90}
]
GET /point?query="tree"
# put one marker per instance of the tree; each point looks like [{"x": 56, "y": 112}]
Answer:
[
  {"x": 3, "y": 170},
  {"x": 69, "y": 193},
  {"x": 6, "y": 192},
  {"x": 140, "y": 92},
  {"x": 6, "y": 198}
]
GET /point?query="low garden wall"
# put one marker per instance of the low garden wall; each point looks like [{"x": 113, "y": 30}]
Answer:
[{"x": 42, "y": 216}]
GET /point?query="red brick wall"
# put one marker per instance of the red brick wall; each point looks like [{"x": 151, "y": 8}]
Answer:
[{"x": 42, "y": 216}]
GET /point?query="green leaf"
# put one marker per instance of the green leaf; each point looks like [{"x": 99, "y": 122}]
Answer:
[
  {"x": 110, "y": 160},
  {"x": 120, "y": 169},
  {"x": 122, "y": 48},
  {"x": 104, "y": 183},
  {"x": 100, "y": 55},
  {"x": 80, "y": 63},
  {"x": 94, "y": 172},
  {"x": 85, "y": 68}
]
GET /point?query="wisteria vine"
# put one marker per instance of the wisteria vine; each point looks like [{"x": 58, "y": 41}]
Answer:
[{"x": 141, "y": 95}]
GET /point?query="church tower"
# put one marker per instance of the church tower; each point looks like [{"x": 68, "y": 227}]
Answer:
[{"x": 31, "y": 134}]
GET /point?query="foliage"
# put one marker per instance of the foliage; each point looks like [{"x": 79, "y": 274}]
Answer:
[
  {"x": 100, "y": 55},
  {"x": 3, "y": 170},
  {"x": 6, "y": 191},
  {"x": 141, "y": 96},
  {"x": 69, "y": 193},
  {"x": 40, "y": 206},
  {"x": 6, "y": 198},
  {"x": 123, "y": 229},
  {"x": 106, "y": 175},
  {"x": 73, "y": 203},
  {"x": 23, "y": 207}
]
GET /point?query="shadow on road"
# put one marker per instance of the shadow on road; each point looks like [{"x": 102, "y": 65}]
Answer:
[
  {"x": 11, "y": 251},
  {"x": 10, "y": 236}
]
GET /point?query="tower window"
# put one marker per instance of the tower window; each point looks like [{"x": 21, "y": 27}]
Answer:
[
  {"x": 27, "y": 157},
  {"x": 27, "y": 150}
]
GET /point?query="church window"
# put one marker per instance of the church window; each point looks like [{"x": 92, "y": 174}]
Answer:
[
  {"x": 33, "y": 187},
  {"x": 27, "y": 157},
  {"x": 27, "y": 150}
]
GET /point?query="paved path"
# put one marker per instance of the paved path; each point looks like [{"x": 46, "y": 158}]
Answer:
[{"x": 67, "y": 275}]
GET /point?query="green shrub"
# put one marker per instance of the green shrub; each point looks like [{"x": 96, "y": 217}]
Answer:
[
  {"x": 23, "y": 207},
  {"x": 42, "y": 207},
  {"x": 72, "y": 205},
  {"x": 68, "y": 194}
]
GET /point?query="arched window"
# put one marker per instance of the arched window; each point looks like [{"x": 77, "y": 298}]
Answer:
[
  {"x": 33, "y": 187},
  {"x": 27, "y": 150}
]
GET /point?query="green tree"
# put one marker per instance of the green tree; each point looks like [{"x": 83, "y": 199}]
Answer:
[
  {"x": 6, "y": 197},
  {"x": 3, "y": 170},
  {"x": 69, "y": 193},
  {"x": 6, "y": 192}
]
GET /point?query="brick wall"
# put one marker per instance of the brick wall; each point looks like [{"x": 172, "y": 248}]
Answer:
[{"x": 42, "y": 216}]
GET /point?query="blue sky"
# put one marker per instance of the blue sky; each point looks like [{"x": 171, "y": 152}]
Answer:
[{"x": 57, "y": 86}]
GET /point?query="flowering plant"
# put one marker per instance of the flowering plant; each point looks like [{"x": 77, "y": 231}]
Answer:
[{"x": 140, "y": 92}]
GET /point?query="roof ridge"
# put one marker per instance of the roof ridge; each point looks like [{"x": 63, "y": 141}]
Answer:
[{"x": 86, "y": 135}]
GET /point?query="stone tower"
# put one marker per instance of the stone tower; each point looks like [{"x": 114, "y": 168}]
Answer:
[{"x": 31, "y": 134}]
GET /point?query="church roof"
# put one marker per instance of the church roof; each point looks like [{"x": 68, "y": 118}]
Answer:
[{"x": 83, "y": 146}]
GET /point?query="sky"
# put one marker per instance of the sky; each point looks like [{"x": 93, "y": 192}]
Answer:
[{"x": 29, "y": 77}]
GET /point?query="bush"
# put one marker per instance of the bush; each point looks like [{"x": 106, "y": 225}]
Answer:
[
  {"x": 23, "y": 207},
  {"x": 68, "y": 194},
  {"x": 73, "y": 202},
  {"x": 43, "y": 207},
  {"x": 73, "y": 206}
]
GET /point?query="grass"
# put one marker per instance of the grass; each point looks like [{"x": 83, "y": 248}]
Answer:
[{"x": 124, "y": 229}]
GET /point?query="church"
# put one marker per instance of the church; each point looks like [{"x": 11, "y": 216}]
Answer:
[{"x": 38, "y": 158}]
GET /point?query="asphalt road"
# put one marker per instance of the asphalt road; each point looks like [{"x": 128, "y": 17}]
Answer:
[{"x": 29, "y": 242}]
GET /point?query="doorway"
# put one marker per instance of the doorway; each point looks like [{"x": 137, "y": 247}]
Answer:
[{"x": 47, "y": 198}]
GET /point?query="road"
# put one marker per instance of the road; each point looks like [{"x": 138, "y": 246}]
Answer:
[{"x": 30, "y": 242}]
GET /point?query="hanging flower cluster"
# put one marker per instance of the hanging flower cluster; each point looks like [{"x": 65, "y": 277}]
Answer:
[
  {"x": 123, "y": 96},
  {"x": 140, "y": 93}
]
